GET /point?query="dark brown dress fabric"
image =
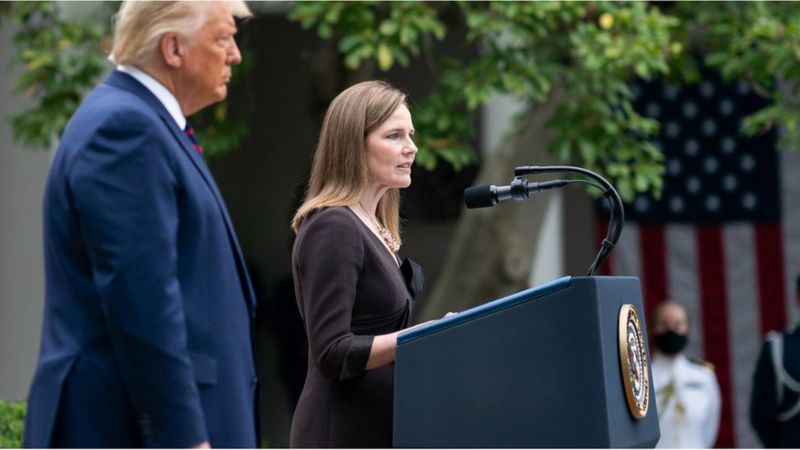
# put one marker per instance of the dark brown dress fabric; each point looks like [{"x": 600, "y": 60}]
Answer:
[{"x": 349, "y": 289}]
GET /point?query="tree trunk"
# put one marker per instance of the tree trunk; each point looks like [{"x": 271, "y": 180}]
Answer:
[{"x": 492, "y": 250}]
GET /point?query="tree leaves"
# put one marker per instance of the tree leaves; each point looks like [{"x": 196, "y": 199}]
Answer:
[
  {"x": 60, "y": 63},
  {"x": 527, "y": 49},
  {"x": 61, "y": 60},
  {"x": 12, "y": 423},
  {"x": 387, "y": 32},
  {"x": 590, "y": 49},
  {"x": 757, "y": 42}
]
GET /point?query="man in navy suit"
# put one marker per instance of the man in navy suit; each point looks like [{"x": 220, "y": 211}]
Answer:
[{"x": 147, "y": 322}]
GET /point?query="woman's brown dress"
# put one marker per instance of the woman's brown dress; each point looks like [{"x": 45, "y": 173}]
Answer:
[{"x": 349, "y": 289}]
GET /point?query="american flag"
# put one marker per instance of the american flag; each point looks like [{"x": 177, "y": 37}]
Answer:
[{"x": 724, "y": 238}]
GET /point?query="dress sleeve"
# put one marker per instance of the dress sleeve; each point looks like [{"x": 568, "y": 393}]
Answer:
[{"x": 328, "y": 261}]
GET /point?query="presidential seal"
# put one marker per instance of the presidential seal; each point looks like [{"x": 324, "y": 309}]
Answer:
[{"x": 633, "y": 361}]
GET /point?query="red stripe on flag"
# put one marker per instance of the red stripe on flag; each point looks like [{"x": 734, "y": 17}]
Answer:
[
  {"x": 601, "y": 230},
  {"x": 714, "y": 307},
  {"x": 769, "y": 262},
  {"x": 654, "y": 266}
]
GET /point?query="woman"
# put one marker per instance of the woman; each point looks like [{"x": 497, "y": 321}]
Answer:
[{"x": 354, "y": 293}]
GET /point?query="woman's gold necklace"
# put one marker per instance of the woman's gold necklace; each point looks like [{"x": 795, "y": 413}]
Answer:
[{"x": 387, "y": 237}]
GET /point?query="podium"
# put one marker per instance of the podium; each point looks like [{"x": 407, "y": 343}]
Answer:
[{"x": 564, "y": 364}]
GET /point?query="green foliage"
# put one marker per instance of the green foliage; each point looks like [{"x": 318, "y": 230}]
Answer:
[
  {"x": 597, "y": 124},
  {"x": 12, "y": 422},
  {"x": 442, "y": 136},
  {"x": 366, "y": 30},
  {"x": 758, "y": 42},
  {"x": 528, "y": 49},
  {"x": 389, "y": 33},
  {"x": 217, "y": 132},
  {"x": 588, "y": 50},
  {"x": 62, "y": 60}
]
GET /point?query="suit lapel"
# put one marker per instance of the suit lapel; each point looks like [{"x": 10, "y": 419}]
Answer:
[
  {"x": 124, "y": 81},
  {"x": 200, "y": 164}
]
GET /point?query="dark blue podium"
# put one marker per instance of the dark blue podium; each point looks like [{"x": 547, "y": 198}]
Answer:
[{"x": 564, "y": 364}]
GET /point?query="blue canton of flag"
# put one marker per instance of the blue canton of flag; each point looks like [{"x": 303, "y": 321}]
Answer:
[{"x": 712, "y": 174}]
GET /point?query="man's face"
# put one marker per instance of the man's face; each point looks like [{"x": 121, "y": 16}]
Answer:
[{"x": 207, "y": 60}]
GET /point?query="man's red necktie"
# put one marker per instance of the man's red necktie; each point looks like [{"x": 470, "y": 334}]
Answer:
[{"x": 190, "y": 132}]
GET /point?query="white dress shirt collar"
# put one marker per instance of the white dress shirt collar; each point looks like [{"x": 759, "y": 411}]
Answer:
[{"x": 162, "y": 93}]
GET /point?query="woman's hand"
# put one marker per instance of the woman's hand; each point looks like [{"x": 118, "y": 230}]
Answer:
[{"x": 384, "y": 346}]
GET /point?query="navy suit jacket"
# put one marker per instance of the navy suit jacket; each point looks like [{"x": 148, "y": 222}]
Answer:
[{"x": 148, "y": 312}]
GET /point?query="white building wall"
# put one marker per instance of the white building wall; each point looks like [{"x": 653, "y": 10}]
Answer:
[
  {"x": 23, "y": 173},
  {"x": 22, "y": 177},
  {"x": 548, "y": 260}
]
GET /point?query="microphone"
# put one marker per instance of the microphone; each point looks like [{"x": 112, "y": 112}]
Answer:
[
  {"x": 617, "y": 211},
  {"x": 519, "y": 189}
]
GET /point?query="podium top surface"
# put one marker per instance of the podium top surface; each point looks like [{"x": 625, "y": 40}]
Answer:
[{"x": 484, "y": 309}]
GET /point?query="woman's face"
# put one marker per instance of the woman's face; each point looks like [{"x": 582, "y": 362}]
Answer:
[{"x": 391, "y": 151}]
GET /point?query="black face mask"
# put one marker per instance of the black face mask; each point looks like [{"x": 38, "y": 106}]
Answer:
[{"x": 670, "y": 342}]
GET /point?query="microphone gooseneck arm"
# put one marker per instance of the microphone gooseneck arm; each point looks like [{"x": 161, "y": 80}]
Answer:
[{"x": 617, "y": 212}]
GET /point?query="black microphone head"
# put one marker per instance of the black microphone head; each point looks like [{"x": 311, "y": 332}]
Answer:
[{"x": 479, "y": 197}]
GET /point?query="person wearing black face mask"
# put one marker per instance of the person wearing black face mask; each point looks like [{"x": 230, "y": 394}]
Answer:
[
  {"x": 687, "y": 392},
  {"x": 670, "y": 342}
]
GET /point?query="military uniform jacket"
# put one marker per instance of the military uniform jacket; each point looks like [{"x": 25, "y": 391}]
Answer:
[
  {"x": 688, "y": 402},
  {"x": 775, "y": 400}
]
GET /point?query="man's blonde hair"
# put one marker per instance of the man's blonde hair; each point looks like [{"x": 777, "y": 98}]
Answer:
[
  {"x": 339, "y": 171},
  {"x": 140, "y": 24}
]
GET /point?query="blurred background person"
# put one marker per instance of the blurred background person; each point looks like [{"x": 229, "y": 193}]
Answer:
[
  {"x": 687, "y": 392},
  {"x": 354, "y": 292},
  {"x": 775, "y": 399}
]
